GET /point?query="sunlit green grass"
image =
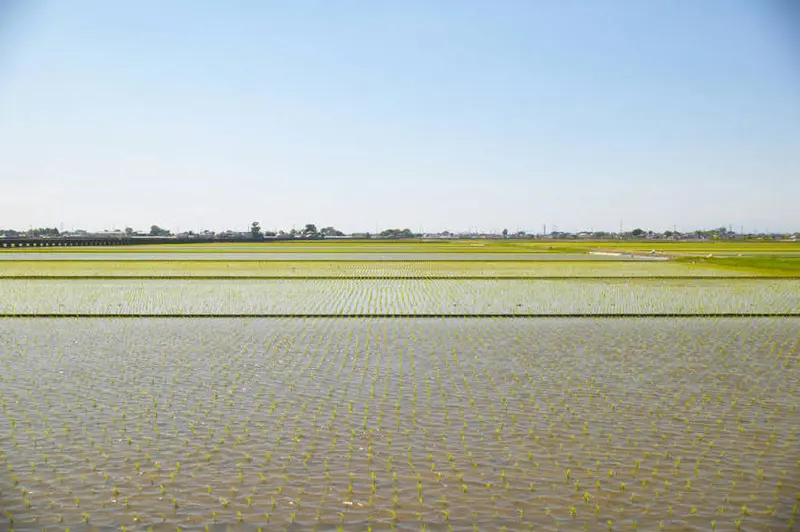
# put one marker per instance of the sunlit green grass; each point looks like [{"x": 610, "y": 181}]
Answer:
[
  {"x": 770, "y": 265},
  {"x": 701, "y": 247}
]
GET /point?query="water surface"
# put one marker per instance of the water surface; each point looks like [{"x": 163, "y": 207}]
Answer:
[{"x": 309, "y": 424}]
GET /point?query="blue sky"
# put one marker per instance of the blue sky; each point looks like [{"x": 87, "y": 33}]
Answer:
[{"x": 427, "y": 114}]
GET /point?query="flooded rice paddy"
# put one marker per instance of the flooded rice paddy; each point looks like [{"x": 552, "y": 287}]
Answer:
[
  {"x": 407, "y": 297},
  {"x": 320, "y": 256},
  {"x": 360, "y": 269},
  {"x": 357, "y": 424}
]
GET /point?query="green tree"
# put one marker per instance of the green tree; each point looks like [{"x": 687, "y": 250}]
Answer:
[
  {"x": 158, "y": 231},
  {"x": 637, "y": 232},
  {"x": 396, "y": 233},
  {"x": 44, "y": 231},
  {"x": 255, "y": 230},
  {"x": 310, "y": 230},
  {"x": 330, "y": 231}
]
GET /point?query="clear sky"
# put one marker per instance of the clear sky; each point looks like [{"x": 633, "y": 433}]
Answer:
[{"x": 427, "y": 114}]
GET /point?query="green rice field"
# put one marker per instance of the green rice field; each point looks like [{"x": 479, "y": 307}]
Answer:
[
  {"x": 400, "y": 297},
  {"x": 325, "y": 256},
  {"x": 474, "y": 394},
  {"x": 366, "y": 269}
]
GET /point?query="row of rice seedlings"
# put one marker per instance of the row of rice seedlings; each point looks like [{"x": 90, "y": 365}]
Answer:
[
  {"x": 455, "y": 269},
  {"x": 330, "y": 422},
  {"x": 360, "y": 269},
  {"x": 352, "y": 296}
]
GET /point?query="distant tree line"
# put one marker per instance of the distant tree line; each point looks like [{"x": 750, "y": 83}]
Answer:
[
  {"x": 310, "y": 231},
  {"x": 39, "y": 231},
  {"x": 397, "y": 233}
]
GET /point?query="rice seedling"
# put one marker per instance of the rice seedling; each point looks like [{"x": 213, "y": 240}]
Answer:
[
  {"x": 506, "y": 419},
  {"x": 404, "y": 297}
]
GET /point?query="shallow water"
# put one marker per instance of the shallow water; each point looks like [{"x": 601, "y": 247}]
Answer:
[
  {"x": 531, "y": 424},
  {"x": 406, "y": 297},
  {"x": 318, "y": 256},
  {"x": 376, "y": 269}
]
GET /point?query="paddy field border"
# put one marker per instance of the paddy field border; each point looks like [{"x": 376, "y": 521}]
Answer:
[
  {"x": 396, "y": 277},
  {"x": 445, "y": 316},
  {"x": 486, "y": 268}
]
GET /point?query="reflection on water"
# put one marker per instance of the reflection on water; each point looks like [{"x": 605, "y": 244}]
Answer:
[{"x": 450, "y": 423}]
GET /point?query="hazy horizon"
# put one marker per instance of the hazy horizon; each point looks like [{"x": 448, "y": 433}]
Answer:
[{"x": 432, "y": 115}]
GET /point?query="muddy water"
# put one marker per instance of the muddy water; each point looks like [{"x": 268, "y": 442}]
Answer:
[{"x": 455, "y": 423}]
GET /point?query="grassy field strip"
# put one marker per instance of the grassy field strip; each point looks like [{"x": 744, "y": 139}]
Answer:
[
  {"x": 742, "y": 276},
  {"x": 778, "y": 265},
  {"x": 740, "y": 253},
  {"x": 448, "y": 316},
  {"x": 359, "y": 269},
  {"x": 322, "y": 247},
  {"x": 315, "y": 424},
  {"x": 400, "y": 297}
]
